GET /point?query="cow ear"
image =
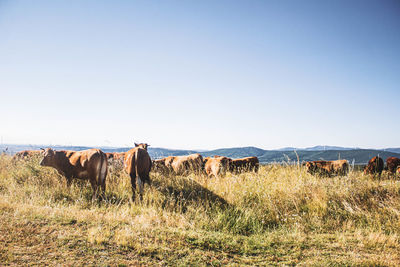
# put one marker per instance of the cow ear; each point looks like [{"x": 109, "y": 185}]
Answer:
[{"x": 136, "y": 144}]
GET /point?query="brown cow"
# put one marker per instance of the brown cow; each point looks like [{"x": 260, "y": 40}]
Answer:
[
  {"x": 138, "y": 163},
  {"x": 180, "y": 165},
  {"x": 244, "y": 164},
  {"x": 163, "y": 165},
  {"x": 205, "y": 161},
  {"x": 392, "y": 163},
  {"x": 328, "y": 168},
  {"x": 375, "y": 166},
  {"x": 26, "y": 154},
  {"x": 119, "y": 155},
  {"x": 115, "y": 155},
  {"x": 109, "y": 155},
  {"x": 217, "y": 166},
  {"x": 88, "y": 164}
]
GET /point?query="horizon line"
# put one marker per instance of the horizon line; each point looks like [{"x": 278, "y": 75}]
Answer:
[{"x": 200, "y": 149}]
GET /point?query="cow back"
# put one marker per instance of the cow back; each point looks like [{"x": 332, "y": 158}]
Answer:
[
  {"x": 392, "y": 163},
  {"x": 137, "y": 161},
  {"x": 375, "y": 166}
]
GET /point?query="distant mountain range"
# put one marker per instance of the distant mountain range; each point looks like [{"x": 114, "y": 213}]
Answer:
[
  {"x": 317, "y": 148},
  {"x": 395, "y": 150},
  {"x": 288, "y": 154}
]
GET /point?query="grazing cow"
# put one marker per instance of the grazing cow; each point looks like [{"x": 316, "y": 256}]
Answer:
[
  {"x": 119, "y": 155},
  {"x": 375, "y": 166},
  {"x": 109, "y": 155},
  {"x": 328, "y": 168},
  {"x": 88, "y": 164},
  {"x": 217, "y": 166},
  {"x": 205, "y": 161},
  {"x": 180, "y": 165},
  {"x": 244, "y": 164},
  {"x": 392, "y": 163},
  {"x": 163, "y": 165},
  {"x": 115, "y": 155},
  {"x": 27, "y": 154},
  {"x": 138, "y": 164}
]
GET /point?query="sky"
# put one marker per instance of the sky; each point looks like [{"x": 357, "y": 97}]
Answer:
[{"x": 200, "y": 74}]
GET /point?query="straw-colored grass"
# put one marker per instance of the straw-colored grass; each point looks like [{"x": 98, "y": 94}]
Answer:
[{"x": 281, "y": 215}]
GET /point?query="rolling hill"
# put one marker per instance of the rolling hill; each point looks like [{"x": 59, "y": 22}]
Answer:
[
  {"x": 394, "y": 150},
  {"x": 353, "y": 155}
]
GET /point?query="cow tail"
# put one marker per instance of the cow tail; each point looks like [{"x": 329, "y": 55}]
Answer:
[
  {"x": 102, "y": 172},
  {"x": 139, "y": 179}
]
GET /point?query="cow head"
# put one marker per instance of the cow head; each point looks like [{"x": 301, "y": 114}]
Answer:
[
  {"x": 310, "y": 166},
  {"x": 366, "y": 169},
  {"x": 142, "y": 145},
  {"x": 48, "y": 157},
  {"x": 226, "y": 163}
]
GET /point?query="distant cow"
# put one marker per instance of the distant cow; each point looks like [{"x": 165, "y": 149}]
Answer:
[
  {"x": 119, "y": 155},
  {"x": 375, "y": 166},
  {"x": 244, "y": 164},
  {"x": 115, "y": 155},
  {"x": 26, "y": 154},
  {"x": 138, "y": 164},
  {"x": 180, "y": 165},
  {"x": 217, "y": 166},
  {"x": 392, "y": 163},
  {"x": 163, "y": 165},
  {"x": 88, "y": 164},
  {"x": 109, "y": 155},
  {"x": 398, "y": 171},
  {"x": 328, "y": 168}
]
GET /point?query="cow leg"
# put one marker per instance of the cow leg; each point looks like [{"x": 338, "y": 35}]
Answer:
[
  {"x": 147, "y": 179},
  {"x": 141, "y": 185},
  {"x": 69, "y": 181},
  {"x": 102, "y": 179},
  {"x": 94, "y": 188},
  {"x": 133, "y": 184},
  {"x": 102, "y": 190}
]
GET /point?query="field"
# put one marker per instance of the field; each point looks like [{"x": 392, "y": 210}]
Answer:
[{"x": 280, "y": 216}]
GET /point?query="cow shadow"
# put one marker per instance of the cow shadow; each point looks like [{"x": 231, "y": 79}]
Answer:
[{"x": 178, "y": 197}]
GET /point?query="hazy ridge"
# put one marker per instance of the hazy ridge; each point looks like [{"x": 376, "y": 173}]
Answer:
[{"x": 354, "y": 155}]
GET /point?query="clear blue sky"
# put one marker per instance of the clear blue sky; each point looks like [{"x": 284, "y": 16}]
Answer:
[{"x": 200, "y": 74}]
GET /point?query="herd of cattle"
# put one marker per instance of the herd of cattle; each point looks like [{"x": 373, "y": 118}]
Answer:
[
  {"x": 375, "y": 166},
  {"x": 92, "y": 164}
]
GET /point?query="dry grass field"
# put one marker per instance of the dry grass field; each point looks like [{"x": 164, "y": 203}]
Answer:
[{"x": 280, "y": 216}]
